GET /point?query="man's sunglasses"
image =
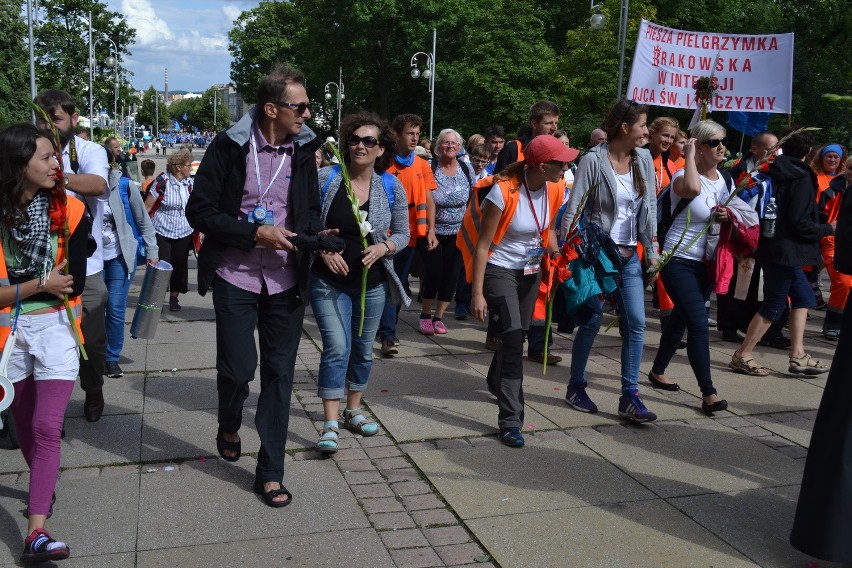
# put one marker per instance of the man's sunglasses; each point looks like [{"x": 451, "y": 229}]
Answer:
[
  {"x": 716, "y": 141},
  {"x": 367, "y": 141},
  {"x": 298, "y": 108}
]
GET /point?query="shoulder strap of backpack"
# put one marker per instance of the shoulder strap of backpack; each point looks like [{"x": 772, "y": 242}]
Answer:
[
  {"x": 464, "y": 167},
  {"x": 335, "y": 171},
  {"x": 390, "y": 189},
  {"x": 160, "y": 183}
]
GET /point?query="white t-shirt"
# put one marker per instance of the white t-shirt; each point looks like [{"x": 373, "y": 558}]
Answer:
[
  {"x": 522, "y": 232},
  {"x": 713, "y": 193},
  {"x": 624, "y": 231},
  {"x": 93, "y": 160}
]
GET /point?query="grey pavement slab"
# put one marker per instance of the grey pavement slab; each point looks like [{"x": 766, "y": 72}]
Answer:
[
  {"x": 327, "y": 549},
  {"x": 182, "y": 331},
  {"x": 644, "y": 534},
  {"x": 796, "y": 430},
  {"x": 756, "y": 522},
  {"x": 443, "y": 415},
  {"x": 110, "y": 441},
  {"x": 496, "y": 480},
  {"x": 122, "y": 396},
  {"x": 689, "y": 461},
  {"x": 78, "y": 521},
  {"x": 187, "y": 390},
  {"x": 418, "y": 375},
  {"x": 167, "y": 356},
  {"x": 204, "y": 498}
]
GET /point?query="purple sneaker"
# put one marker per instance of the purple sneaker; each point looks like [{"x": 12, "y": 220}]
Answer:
[
  {"x": 577, "y": 399},
  {"x": 631, "y": 407}
]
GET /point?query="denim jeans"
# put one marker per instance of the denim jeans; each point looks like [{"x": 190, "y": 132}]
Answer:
[
  {"x": 781, "y": 282},
  {"x": 630, "y": 296},
  {"x": 346, "y": 357},
  {"x": 278, "y": 319},
  {"x": 118, "y": 284},
  {"x": 688, "y": 285},
  {"x": 402, "y": 266}
]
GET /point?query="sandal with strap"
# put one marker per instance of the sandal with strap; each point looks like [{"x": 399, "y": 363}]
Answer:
[
  {"x": 744, "y": 366},
  {"x": 222, "y": 446},
  {"x": 328, "y": 441},
  {"x": 806, "y": 365},
  {"x": 355, "y": 420},
  {"x": 269, "y": 496}
]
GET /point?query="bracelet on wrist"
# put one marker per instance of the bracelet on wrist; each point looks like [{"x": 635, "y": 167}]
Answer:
[{"x": 387, "y": 246}]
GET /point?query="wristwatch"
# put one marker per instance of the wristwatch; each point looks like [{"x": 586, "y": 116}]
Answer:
[{"x": 389, "y": 253}]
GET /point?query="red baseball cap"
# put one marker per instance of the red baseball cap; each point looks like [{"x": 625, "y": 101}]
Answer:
[{"x": 547, "y": 148}]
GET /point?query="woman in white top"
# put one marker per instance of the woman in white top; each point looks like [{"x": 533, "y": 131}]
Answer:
[
  {"x": 166, "y": 203},
  {"x": 686, "y": 276},
  {"x": 518, "y": 216}
]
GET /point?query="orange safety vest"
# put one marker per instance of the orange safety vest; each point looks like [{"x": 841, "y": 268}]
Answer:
[
  {"x": 75, "y": 214},
  {"x": 417, "y": 179},
  {"x": 472, "y": 222}
]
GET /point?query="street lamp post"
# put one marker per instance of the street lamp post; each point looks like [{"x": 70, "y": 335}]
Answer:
[
  {"x": 112, "y": 61},
  {"x": 156, "y": 100},
  {"x": 428, "y": 73},
  {"x": 30, "y": 19},
  {"x": 215, "y": 104},
  {"x": 598, "y": 22},
  {"x": 622, "y": 41},
  {"x": 340, "y": 95}
]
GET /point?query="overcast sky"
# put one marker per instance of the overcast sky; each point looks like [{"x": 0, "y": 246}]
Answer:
[{"x": 190, "y": 37}]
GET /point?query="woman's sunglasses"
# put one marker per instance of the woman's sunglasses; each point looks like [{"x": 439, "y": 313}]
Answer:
[
  {"x": 716, "y": 141},
  {"x": 367, "y": 141}
]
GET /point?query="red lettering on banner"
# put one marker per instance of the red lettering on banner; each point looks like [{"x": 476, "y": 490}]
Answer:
[
  {"x": 728, "y": 102},
  {"x": 643, "y": 95},
  {"x": 748, "y": 43},
  {"x": 661, "y": 77},
  {"x": 732, "y": 65},
  {"x": 720, "y": 65},
  {"x": 746, "y": 65},
  {"x": 704, "y": 63},
  {"x": 668, "y": 98}
]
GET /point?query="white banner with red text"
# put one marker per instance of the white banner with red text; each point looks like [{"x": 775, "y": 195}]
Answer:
[{"x": 754, "y": 72}]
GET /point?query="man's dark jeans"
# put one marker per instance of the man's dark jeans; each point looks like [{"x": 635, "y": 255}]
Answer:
[{"x": 278, "y": 319}]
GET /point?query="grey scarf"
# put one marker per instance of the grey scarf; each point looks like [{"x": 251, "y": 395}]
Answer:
[{"x": 33, "y": 239}]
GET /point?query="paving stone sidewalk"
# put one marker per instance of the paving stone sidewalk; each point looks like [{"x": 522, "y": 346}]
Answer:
[{"x": 144, "y": 486}]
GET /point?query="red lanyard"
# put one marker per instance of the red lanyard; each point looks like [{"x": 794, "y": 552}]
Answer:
[{"x": 532, "y": 208}]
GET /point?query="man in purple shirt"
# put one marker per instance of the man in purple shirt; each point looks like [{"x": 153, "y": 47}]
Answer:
[{"x": 257, "y": 187}]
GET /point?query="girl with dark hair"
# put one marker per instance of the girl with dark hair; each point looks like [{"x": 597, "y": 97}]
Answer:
[
  {"x": 618, "y": 177},
  {"x": 42, "y": 232},
  {"x": 336, "y": 279},
  {"x": 517, "y": 230}
]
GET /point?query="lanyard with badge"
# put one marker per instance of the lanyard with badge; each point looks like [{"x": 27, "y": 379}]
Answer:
[
  {"x": 534, "y": 253},
  {"x": 260, "y": 214}
]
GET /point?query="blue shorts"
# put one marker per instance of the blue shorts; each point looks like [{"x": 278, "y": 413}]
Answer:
[{"x": 779, "y": 282}]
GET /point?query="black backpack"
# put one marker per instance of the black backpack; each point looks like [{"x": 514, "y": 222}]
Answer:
[
  {"x": 665, "y": 215},
  {"x": 843, "y": 236}
]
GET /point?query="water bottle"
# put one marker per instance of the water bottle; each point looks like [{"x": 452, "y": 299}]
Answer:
[{"x": 770, "y": 219}]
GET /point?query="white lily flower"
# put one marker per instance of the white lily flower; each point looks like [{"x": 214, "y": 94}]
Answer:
[{"x": 365, "y": 227}]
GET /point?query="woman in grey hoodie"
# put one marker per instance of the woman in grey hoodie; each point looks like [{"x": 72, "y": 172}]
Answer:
[{"x": 616, "y": 182}]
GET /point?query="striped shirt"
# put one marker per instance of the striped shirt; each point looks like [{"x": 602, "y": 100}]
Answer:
[{"x": 170, "y": 218}]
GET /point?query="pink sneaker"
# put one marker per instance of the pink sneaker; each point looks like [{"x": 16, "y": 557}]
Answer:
[
  {"x": 439, "y": 327},
  {"x": 426, "y": 327}
]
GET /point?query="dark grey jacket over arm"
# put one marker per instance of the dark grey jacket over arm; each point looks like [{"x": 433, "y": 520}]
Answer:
[{"x": 214, "y": 205}]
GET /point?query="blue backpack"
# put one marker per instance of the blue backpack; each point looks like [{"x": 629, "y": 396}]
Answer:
[
  {"x": 387, "y": 183},
  {"x": 123, "y": 188}
]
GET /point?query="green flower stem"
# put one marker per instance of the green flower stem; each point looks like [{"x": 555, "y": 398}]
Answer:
[
  {"x": 548, "y": 321},
  {"x": 356, "y": 212}
]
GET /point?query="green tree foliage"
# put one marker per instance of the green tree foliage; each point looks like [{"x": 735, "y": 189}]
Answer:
[
  {"x": 495, "y": 59},
  {"x": 199, "y": 112},
  {"x": 62, "y": 50},
  {"x": 14, "y": 73}
]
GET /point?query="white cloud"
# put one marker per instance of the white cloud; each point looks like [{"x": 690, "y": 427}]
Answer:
[
  {"x": 232, "y": 11},
  {"x": 150, "y": 30}
]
